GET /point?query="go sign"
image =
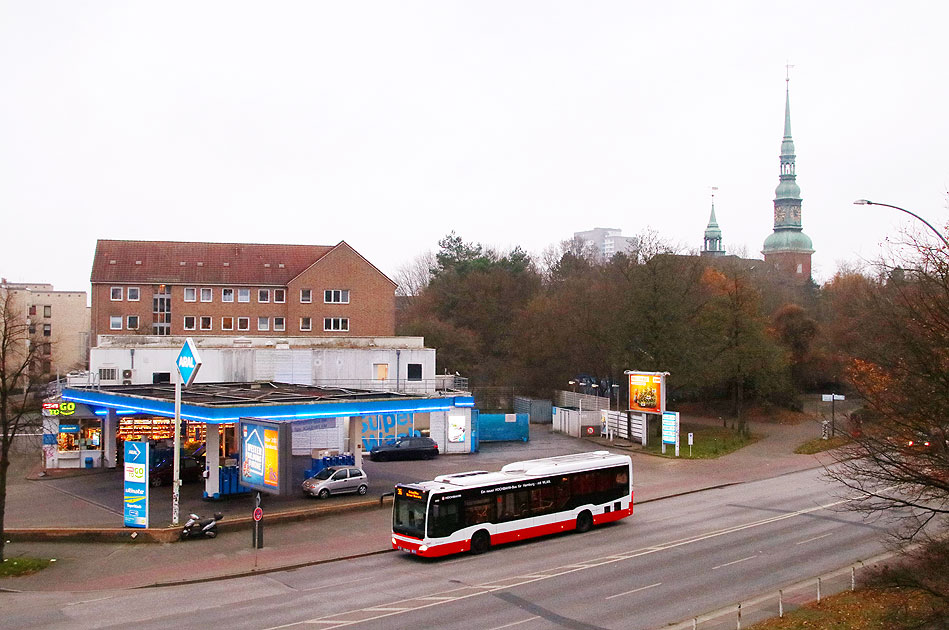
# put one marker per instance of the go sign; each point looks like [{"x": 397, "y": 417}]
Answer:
[{"x": 188, "y": 362}]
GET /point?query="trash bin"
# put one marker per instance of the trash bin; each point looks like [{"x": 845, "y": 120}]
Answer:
[{"x": 88, "y": 462}]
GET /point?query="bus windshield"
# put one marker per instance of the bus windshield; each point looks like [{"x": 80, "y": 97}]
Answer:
[{"x": 408, "y": 513}]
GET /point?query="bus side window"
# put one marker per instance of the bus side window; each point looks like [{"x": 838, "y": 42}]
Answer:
[
  {"x": 542, "y": 500},
  {"x": 444, "y": 519},
  {"x": 478, "y": 511}
]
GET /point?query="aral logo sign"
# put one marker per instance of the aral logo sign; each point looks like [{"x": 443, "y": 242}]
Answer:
[{"x": 188, "y": 362}]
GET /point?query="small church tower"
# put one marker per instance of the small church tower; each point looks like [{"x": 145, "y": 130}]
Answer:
[
  {"x": 713, "y": 234},
  {"x": 788, "y": 249}
]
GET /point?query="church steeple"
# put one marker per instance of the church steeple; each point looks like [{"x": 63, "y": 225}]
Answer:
[
  {"x": 713, "y": 234},
  {"x": 788, "y": 247}
]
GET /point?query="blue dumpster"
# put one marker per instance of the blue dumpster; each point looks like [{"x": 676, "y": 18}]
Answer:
[{"x": 88, "y": 462}]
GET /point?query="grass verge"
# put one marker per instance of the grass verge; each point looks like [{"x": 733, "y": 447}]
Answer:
[
  {"x": 819, "y": 445},
  {"x": 863, "y": 609},
  {"x": 708, "y": 442},
  {"x": 16, "y": 567}
]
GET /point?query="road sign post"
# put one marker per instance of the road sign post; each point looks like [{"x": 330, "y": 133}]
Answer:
[
  {"x": 188, "y": 363},
  {"x": 258, "y": 531},
  {"x": 832, "y": 399}
]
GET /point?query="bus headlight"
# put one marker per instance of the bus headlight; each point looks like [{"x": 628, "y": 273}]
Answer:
[
  {"x": 395, "y": 542},
  {"x": 423, "y": 548}
]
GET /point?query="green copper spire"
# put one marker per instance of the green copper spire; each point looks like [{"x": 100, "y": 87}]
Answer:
[
  {"x": 713, "y": 234},
  {"x": 787, "y": 234}
]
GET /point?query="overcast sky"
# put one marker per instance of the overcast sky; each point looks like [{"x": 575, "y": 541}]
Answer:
[{"x": 390, "y": 124}]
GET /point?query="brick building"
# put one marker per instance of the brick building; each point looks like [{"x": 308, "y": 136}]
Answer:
[{"x": 238, "y": 289}]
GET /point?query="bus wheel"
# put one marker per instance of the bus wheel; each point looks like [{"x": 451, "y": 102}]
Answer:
[
  {"x": 480, "y": 542},
  {"x": 584, "y": 522}
]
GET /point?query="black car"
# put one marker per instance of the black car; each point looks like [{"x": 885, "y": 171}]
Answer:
[
  {"x": 162, "y": 473},
  {"x": 405, "y": 448}
]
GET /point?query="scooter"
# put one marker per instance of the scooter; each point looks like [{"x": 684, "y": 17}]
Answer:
[{"x": 197, "y": 527}]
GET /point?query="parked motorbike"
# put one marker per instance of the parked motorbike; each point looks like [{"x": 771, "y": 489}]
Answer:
[{"x": 197, "y": 527}]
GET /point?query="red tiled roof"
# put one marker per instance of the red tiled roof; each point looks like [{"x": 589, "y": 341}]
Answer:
[{"x": 205, "y": 263}]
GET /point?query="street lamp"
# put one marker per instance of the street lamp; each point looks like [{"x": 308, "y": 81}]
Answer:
[
  {"x": 867, "y": 202},
  {"x": 574, "y": 383}
]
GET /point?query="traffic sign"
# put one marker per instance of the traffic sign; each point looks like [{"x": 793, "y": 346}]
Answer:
[
  {"x": 258, "y": 514},
  {"x": 188, "y": 362}
]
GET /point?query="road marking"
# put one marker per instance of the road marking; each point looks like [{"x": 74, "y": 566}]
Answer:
[
  {"x": 570, "y": 568},
  {"x": 635, "y": 590},
  {"x": 516, "y": 623},
  {"x": 814, "y": 538},
  {"x": 734, "y": 562},
  {"x": 336, "y": 585}
]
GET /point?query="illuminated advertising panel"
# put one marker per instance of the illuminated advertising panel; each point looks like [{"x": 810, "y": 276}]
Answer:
[
  {"x": 647, "y": 391},
  {"x": 265, "y": 459},
  {"x": 136, "y": 484}
]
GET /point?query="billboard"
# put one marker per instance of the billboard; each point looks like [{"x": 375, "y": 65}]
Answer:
[
  {"x": 265, "y": 458},
  {"x": 647, "y": 391},
  {"x": 136, "y": 484}
]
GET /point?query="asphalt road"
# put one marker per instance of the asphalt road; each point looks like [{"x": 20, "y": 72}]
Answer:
[{"x": 672, "y": 559}]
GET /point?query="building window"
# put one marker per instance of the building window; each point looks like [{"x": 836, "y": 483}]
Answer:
[
  {"x": 380, "y": 371},
  {"x": 189, "y": 322},
  {"x": 47, "y": 311},
  {"x": 108, "y": 374},
  {"x": 263, "y": 295},
  {"x": 279, "y": 323},
  {"x": 159, "y": 378},
  {"x": 306, "y": 296},
  {"x": 243, "y": 295},
  {"x": 205, "y": 322},
  {"x": 116, "y": 294},
  {"x": 133, "y": 294},
  {"x": 263, "y": 323},
  {"x": 131, "y": 322},
  {"x": 48, "y": 330},
  {"x": 227, "y": 323},
  {"x": 32, "y": 309},
  {"x": 227, "y": 295},
  {"x": 191, "y": 294},
  {"x": 32, "y": 329},
  {"x": 279, "y": 296},
  {"x": 336, "y": 296},
  {"x": 161, "y": 310},
  {"x": 115, "y": 323},
  {"x": 46, "y": 349},
  {"x": 800, "y": 268},
  {"x": 336, "y": 323},
  {"x": 207, "y": 294},
  {"x": 414, "y": 371},
  {"x": 306, "y": 324},
  {"x": 243, "y": 323}
]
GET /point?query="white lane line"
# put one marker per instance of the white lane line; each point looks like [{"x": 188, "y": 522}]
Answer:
[
  {"x": 516, "y": 623},
  {"x": 814, "y": 538},
  {"x": 381, "y": 609},
  {"x": 727, "y": 564},
  {"x": 635, "y": 590},
  {"x": 337, "y": 585}
]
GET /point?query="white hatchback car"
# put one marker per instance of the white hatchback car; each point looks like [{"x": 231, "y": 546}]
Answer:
[{"x": 337, "y": 480}]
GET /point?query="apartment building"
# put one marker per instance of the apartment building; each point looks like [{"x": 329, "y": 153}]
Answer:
[
  {"x": 167, "y": 288},
  {"x": 608, "y": 241},
  {"x": 57, "y": 320}
]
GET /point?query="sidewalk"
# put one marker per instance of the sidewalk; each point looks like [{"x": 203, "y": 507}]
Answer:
[{"x": 337, "y": 528}]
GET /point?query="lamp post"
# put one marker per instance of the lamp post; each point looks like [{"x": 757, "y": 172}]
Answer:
[{"x": 867, "y": 202}]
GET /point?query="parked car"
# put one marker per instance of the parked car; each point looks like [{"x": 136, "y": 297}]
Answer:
[
  {"x": 337, "y": 480},
  {"x": 405, "y": 448},
  {"x": 162, "y": 473}
]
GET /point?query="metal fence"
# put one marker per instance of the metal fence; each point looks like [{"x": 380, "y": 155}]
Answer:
[{"x": 782, "y": 601}]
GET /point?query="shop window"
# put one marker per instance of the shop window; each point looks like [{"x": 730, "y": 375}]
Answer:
[
  {"x": 115, "y": 294},
  {"x": 414, "y": 371},
  {"x": 131, "y": 322},
  {"x": 227, "y": 295},
  {"x": 279, "y": 296},
  {"x": 279, "y": 324},
  {"x": 306, "y": 324},
  {"x": 336, "y": 296},
  {"x": 340, "y": 324},
  {"x": 243, "y": 323},
  {"x": 191, "y": 294},
  {"x": 79, "y": 434},
  {"x": 306, "y": 296},
  {"x": 133, "y": 294},
  {"x": 243, "y": 295}
]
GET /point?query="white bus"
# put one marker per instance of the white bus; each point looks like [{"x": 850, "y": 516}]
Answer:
[{"x": 473, "y": 511}]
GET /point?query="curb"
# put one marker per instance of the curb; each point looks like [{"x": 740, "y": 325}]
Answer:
[{"x": 170, "y": 534}]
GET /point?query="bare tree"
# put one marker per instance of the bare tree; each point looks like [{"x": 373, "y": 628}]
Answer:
[
  {"x": 414, "y": 276},
  {"x": 20, "y": 379}
]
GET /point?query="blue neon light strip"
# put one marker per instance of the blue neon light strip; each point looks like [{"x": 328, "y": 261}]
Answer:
[{"x": 220, "y": 415}]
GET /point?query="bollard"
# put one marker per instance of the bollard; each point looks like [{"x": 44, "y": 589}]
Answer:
[
  {"x": 853, "y": 579},
  {"x": 818, "y": 590},
  {"x": 780, "y": 603},
  {"x": 695, "y": 622},
  {"x": 739, "y": 616}
]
